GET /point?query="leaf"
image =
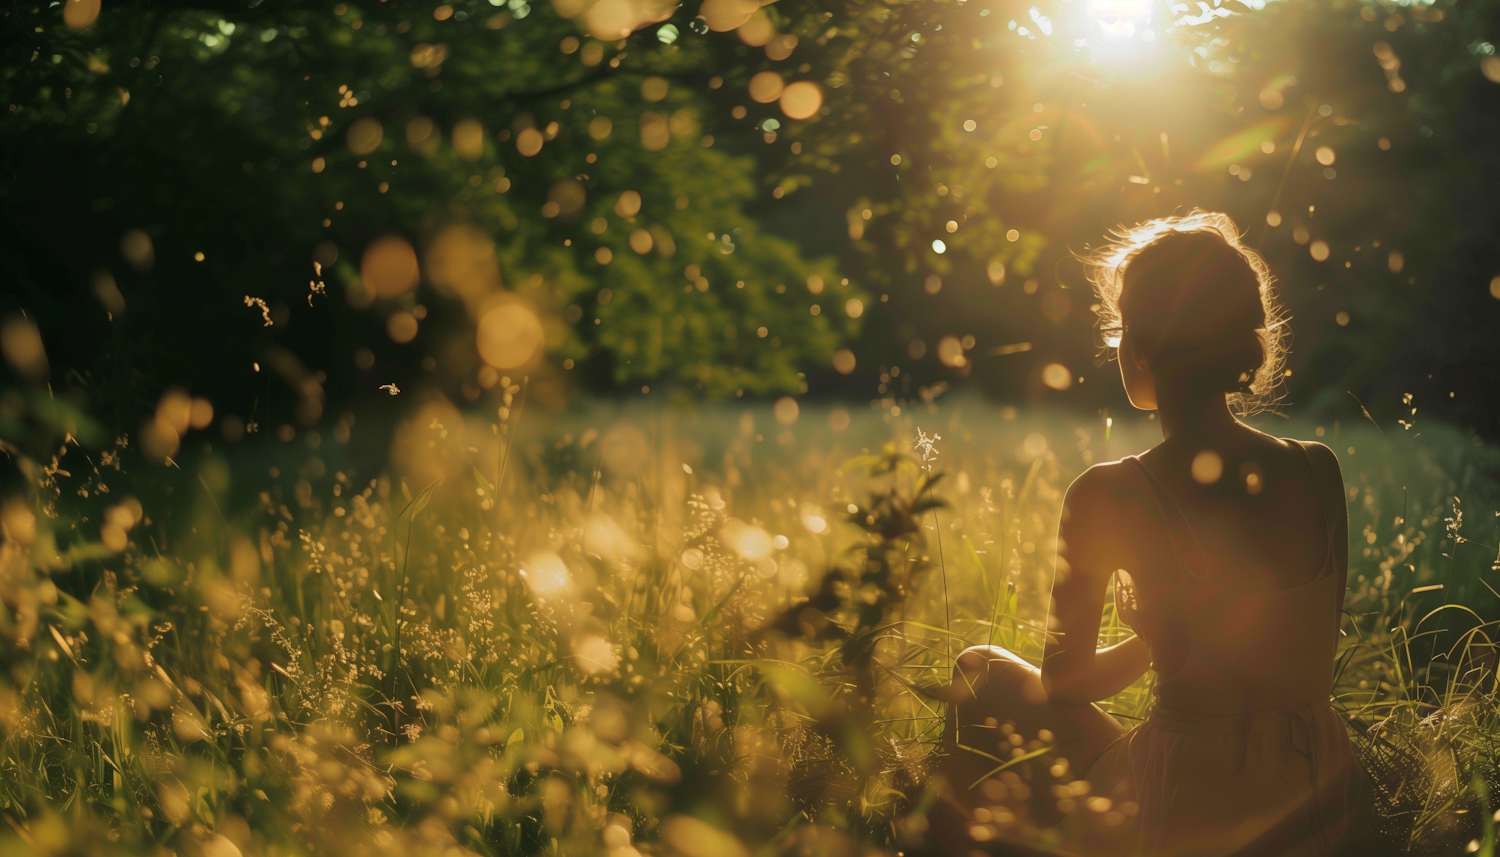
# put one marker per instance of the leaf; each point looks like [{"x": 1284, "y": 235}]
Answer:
[
  {"x": 860, "y": 462},
  {"x": 1024, "y": 757},
  {"x": 420, "y": 502},
  {"x": 484, "y": 483}
]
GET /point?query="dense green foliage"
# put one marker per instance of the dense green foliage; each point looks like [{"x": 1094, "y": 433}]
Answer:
[{"x": 201, "y": 124}]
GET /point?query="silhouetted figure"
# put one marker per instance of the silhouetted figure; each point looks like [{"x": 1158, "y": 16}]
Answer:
[{"x": 1227, "y": 548}]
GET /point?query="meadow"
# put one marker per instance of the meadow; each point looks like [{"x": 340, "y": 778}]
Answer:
[{"x": 625, "y": 630}]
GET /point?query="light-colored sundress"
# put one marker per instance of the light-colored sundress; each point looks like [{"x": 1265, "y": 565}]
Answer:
[{"x": 1278, "y": 779}]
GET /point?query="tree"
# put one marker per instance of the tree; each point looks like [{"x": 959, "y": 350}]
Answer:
[{"x": 240, "y": 178}]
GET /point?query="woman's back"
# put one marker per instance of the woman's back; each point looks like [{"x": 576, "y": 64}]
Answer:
[
  {"x": 1240, "y": 588},
  {"x": 1256, "y": 507}
]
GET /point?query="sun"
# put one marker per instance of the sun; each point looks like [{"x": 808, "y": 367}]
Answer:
[{"x": 1118, "y": 29}]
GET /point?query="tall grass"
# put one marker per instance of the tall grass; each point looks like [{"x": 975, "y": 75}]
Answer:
[{"x": 626, "y": 631}]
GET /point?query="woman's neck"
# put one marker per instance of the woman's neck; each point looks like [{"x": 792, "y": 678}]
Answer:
[{"x": 1193, "y": 415}]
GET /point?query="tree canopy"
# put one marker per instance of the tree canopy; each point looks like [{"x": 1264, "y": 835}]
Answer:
[{"x": 279, "y": 206}]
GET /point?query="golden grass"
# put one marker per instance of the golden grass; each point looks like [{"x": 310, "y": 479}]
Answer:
[{"x": 589, "y": 636}]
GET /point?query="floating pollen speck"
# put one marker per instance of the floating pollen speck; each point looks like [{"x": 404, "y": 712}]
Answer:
[
  {"x": 265, "y": 310},
  {"x": 390, "y": 388}
]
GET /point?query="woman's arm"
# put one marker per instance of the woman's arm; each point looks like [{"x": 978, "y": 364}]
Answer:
[
  {"x": 1090, "y": 546},
  {"x": 1111, "y": 671}
]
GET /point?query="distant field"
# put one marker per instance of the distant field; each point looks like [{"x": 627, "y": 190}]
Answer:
[{"x": 550, "y": 637}]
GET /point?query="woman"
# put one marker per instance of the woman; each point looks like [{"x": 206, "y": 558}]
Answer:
[{"x": 1227, "y": 549}]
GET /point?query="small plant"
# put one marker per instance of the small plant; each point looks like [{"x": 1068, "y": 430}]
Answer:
[{"x": 857, "y": 605}]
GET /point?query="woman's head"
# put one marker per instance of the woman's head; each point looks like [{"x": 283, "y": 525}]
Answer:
[{"x": 1182, "y": 297}]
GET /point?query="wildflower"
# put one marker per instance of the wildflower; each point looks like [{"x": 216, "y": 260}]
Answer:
[{"x": 927, "y": 445}]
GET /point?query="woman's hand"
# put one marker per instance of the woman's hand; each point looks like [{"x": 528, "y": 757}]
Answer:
[{"x": 1126, "y": 606}]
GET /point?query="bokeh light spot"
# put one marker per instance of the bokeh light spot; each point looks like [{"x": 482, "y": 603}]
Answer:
[
  {"x": 135, "y": 246},
  {"x": 468, "y": 139},
  {"x": 996, "y": 273},
  {"x": 401, "y": 327},
  {"x": 641, "y": 241},
  {"x": 654, "y": 88},
  {"x": 843, "y": 361},
  {"x": 461, "y": 261},
  {"x": 529, "y": 141},
  {"x": 766, "y": 87},
  {"x": 1207, "y": 467},
  {"x": 364, "y": 135},
  {"x": 595, "y": 655},
  {"x": 21, "y": 342},
  {"x": 801, "y": 100},
  {"x": 721, "y": 16},
  {"x": 786, "y": 410},
  {"x": 950, "y": 352},
  {"x": 546, "y": 575},
  {"x": 1057, "y": 376},
  {"x": 389, "y": 267},
  {"x": 629, "y": 204},
  {"x": 749, "y": 541},
  {"x": 656, "y": 132},
  {"x": 80, "y": 14},
  {"x": 509, "y": 335}
]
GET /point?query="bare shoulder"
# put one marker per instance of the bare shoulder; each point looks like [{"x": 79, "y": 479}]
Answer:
[
  {"x": 1103, "y": 485},
  {"x": 1103, "y": 508}
]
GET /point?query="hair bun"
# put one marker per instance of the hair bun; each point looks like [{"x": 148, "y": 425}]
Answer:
[{"x": 1195, "y": 299}]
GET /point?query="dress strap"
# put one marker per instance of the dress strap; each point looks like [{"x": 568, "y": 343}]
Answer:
[
  {"x": 1318, "y": 487},
  {"x": 1159, "y": 493}
]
